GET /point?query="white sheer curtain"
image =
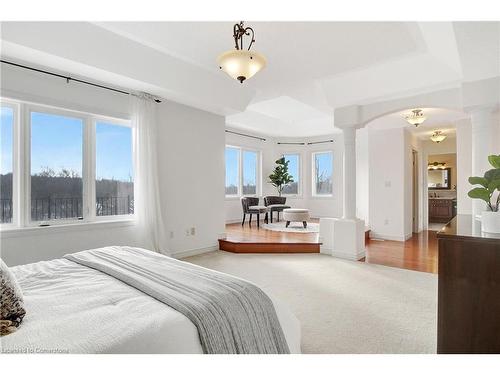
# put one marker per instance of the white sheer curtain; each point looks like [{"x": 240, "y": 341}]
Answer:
[{"x": 147, "y": 205}]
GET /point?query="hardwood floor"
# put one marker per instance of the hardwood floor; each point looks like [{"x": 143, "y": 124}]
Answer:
[
  {"x": 237, "y": 232},
  {"x": 419, "y": 253}
]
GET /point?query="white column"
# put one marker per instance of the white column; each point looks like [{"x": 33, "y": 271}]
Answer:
[
  {"x": 345, "y": 237},
  {"x": 349, "y": 173},
  {"x": 464, "y": 166},
  {"x": 483, "y": 138}
]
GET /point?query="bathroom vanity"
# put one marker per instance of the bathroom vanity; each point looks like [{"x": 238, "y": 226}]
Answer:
[{"x": 442, "y": 210}]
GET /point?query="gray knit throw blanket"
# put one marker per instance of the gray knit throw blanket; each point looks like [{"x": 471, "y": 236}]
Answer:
[{"x": 232, "y": 315}]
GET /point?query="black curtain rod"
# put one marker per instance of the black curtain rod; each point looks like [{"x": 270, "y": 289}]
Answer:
[
  {"x": 68, "y": 78},
  {"x": 318, "y": 142},
  {"x": 246, "y": 135},
  {"x": 304, "y": 143}
]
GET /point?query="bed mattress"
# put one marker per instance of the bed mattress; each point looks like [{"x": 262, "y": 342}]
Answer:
[{"x": 76, "y": 309}]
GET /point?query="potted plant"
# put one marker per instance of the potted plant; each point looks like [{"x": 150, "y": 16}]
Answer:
[
  {"x": 489, "y": 191},
  {"x": 280, "y": 176}
]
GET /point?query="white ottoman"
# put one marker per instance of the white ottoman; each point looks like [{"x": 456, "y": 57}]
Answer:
[{"x": 297, "y": 215}]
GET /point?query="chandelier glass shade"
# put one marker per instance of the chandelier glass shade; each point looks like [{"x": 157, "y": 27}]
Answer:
[
  {"x": 416, "y": 117},
  {"x": 438, "y": 136},
  {"x": 238, "y": 63}
]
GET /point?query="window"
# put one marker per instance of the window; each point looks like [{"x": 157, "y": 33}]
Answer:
[
  {"x": 242, "y": 171},
  {"x": 232, "y": 170},
  {"x": 114, "y": 185},
  {"x": 6, "y": 167},
  {"x": 56, "y": 167},
  {"x": 294, "y": 171},
  {"x": 61, "y": 166},
  {"x": 322, "y": 173},
  {"x": 250, "y": 172}
]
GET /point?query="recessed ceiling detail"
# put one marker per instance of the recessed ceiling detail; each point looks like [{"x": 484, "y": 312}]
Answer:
[{"x": 323, "y": 67}]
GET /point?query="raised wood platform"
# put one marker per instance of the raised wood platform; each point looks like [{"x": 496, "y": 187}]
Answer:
[
  {"x": 250, "y": 239},
  {"x": 269, "y": 247}
]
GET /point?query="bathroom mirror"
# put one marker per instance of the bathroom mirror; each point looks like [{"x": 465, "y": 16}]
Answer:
[{"x": 439, "y": 179}]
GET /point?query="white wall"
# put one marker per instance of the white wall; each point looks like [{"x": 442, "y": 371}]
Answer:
[
  {"x": 38, "y": 244},
  {"x": 191, "y": 161},
  {"x": 408, "y": 184},
  {"x": 388, "y": 193},
  {"x": 191, "y": 146},
  {"x": 362, "y": 176},
  {"x": 271, "y": 151}
]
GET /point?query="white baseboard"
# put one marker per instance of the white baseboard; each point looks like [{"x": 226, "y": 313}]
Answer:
[
  {"x": 389, "y": 237},
  {"x": 344, "y": 255},
  {"x": 191, "y": 252}
]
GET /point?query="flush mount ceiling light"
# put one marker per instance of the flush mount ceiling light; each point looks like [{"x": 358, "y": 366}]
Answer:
[
  {"x": 238, "y": 63},
  {"x": 416, "y": 117},
  {"x": 436, "y": 165},
  {"x": 438, "y": 136}
]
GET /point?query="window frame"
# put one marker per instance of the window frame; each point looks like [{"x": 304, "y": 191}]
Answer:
[
  {"x": 21, "y": 167},
  {"x": 314, "y": 194},
  {"x": 16, "y": 164},
  {"x": 29, "y": 109},
  {"x": 258, "y": 173},
  {"x": 93, "y": 154},
  {"x": 299, "y": 186},
  {"x": 238, "y": 188}
]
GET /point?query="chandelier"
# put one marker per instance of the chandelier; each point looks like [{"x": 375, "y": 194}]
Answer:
[
  {"x": 416, "y": 117},
  {"x": 438, "y": 136},
  {"x": 241, "y": 64}
]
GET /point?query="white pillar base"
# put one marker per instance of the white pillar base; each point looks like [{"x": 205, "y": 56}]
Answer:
[{"x": 342, "y": 238}]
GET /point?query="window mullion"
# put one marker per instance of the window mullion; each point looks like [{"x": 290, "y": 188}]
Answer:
[
  {"x": 258, "y": 172},
  {"x": 24, "y": 180},
  {"x": 89, "y": 199},
  {"x": 240, "y": 171}
]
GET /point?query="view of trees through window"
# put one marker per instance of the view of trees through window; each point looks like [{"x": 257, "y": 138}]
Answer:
[
  {"x": 232, "y": 170},
  {"x": 241, "y": 171},
  {"x": 249, "y": 172},
  {"x": 6, "y": 182},
  {"x": 114, "y": 171},
  {"x": 293, "y": 170},
  {"x": 56, "y": 167},
  {"x": 323, "y": 165}
]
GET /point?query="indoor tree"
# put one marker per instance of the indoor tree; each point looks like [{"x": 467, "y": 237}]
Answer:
[{"x": 280, "y": 176}]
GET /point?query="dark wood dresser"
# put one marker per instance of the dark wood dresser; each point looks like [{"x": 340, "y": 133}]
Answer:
[{"x": 469, "y": 288}]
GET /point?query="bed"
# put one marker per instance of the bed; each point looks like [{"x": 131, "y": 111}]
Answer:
[{"x": 73, "y": 308}]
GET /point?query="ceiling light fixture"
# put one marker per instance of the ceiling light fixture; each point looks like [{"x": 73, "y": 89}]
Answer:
[
  {"x": 238, "y": 63},
  {"x": 436, "y": 165},
  {"x": 438, "y": 136},
  {"x": 416, "y": 117}
]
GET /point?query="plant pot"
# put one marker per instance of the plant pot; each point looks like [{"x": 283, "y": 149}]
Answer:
[{"x": 490, "y": 222}]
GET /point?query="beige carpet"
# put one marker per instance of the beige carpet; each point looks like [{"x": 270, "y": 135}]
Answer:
[{"x": 343, "y": 306}]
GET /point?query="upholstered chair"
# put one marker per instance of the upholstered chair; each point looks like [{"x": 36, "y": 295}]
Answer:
[
  {"x": 274, "y": 204},
  {"x": 251, "y": 206}
]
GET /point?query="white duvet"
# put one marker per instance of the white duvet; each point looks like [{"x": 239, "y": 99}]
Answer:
[{"x": 75, "y": 309}]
